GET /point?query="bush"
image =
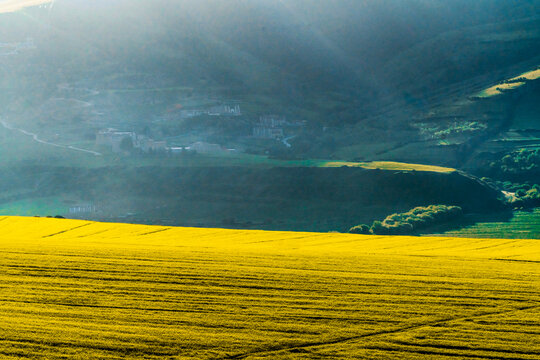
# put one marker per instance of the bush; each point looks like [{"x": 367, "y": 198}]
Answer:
[
  {"x": 377, "y": 227},
  {"x": 519, "y": 161},
  {"x": 525, "y": 195},
  {"x": 521, "y": 193},
  {"x": 415, "y": 219},
  {"x": 529, "y": 198},
  {"x": 360, "y": 229}
]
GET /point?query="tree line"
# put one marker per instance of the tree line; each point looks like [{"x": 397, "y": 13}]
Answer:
[{"x": 416, "y": 219}]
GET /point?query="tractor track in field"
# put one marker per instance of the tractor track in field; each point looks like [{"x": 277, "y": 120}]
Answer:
[
  {"x": 426, "y": 350},
  {"x": 402, "y": 329},
  {"x": 67, "y": 230}
]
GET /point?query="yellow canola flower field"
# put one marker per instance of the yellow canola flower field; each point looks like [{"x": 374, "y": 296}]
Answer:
[
  {"x": 530, "y": 75},
  {"x": 85, "y": 290},
  {"x": 512, "y": 84},
  {"x": 499, "y": 88},
  {"x": 389, "y": 165}
]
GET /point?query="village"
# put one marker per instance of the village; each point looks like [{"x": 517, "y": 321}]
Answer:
[{"x": 267, "y": 127}]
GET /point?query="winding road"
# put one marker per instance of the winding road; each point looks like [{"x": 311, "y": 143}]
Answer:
[
  {"x": 286, "y": 141},
  {"x": 36, "y": 138}
]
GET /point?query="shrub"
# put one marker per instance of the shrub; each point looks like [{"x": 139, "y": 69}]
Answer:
[
  {"x": 526, "y": 195},
  {"x": 360, "y": 229},
  {"x": 415, "y": 219},
  {"x": 377, "y": 227},
  {"x": 523, "y": 160}
]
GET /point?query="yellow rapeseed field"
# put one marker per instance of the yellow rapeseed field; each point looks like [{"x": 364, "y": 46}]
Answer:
[
  {"x": 389, "y": 165},
  {"x": 529, "y": 75},
  {"x": 85, "y": 290},
  {"x": 512, "y": 84},
  {"x": 499, "y": 88}
]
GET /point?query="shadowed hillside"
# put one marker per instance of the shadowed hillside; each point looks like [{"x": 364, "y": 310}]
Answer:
[
  {"x": 310, "y": 199},
  {"x": 347, "y": 82},
  {"x": 294, "y": 50}
]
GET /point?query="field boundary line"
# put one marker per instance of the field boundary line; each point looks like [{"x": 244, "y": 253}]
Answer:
[{"x": 424, "y": 351}]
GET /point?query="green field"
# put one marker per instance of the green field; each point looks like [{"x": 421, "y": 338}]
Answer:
[
  {"x": 17, "y": 149},
  {"x": 35, "y": 207},
  {"x": 526, "y": 116},
  {"x": 83, "y": 290},
  {"x": 523, "y": 225}
]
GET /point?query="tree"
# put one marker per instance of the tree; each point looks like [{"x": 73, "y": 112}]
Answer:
[
  {"x": 377, "y": 227},
  {"x": 360, "y": 229},
  {"x": 126, "y": 144}
]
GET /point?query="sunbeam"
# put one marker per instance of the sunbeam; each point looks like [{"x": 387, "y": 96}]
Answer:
[{"x": 8, "y": 6}]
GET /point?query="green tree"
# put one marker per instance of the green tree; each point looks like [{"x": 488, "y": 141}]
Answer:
[
  {"x": 360, "y": 229},
  {"x": 126, "y": 144}
]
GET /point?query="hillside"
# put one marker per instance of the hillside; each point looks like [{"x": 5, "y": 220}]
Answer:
[
  {"x": 270, "y": 198},
  {"x": 174, "y": 112},
  {"x": 357, "y": 73},
  {"x": 83, "y": 289}
]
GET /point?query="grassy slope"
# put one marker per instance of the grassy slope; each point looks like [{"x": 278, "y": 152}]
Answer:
[
  {"x": 523, "y": 224},
  {"x": 526, "y": 116},
  {"x": 92, "y": 290},
  {"x": 31, "y": 207},
  {"x": 17, "y": 148}
]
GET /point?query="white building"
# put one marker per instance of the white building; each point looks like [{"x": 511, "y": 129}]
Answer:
[
  {"x": 270, "y": 127},
  {"x": 272, "y": 120},
  {"x": 113, "y": 138},
  {"x": 206, "y": 148},
  {"x": 225, "y": 110},
  {"x": 186, "y": 114},
  {"x": 263, "y": 132},
  {"x": 146, "y": 145},
  {"x": 82, "y": 209}
]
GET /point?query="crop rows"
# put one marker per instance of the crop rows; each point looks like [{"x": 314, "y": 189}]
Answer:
[{"x": 73, "y": 289}]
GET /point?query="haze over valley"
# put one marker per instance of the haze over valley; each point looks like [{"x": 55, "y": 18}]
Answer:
[
  {"x": 105, "y": 103},
  {"x": 270, "y": 179}
]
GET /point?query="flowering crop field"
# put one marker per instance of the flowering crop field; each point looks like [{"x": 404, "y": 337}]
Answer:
[{"x": 85, "y": 290}]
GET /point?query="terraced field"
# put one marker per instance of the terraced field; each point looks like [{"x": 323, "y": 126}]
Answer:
[{"x": 81, "y": 290}]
